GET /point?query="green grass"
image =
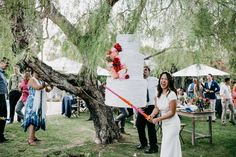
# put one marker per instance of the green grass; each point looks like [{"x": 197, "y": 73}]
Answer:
[{"x": 75, "y": 138}]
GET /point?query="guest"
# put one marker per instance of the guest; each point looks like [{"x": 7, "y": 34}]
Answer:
[
  {"x": 14, "y": 91},
  {"x": 211, "y": 88},
  {"x": 234, "y": 93},
  {"x": 166, "y": 103},
  {"x": 25, "y": 93},
  {"x": 120, "y": 119},
  {"x": 35, "y": 108},
  {"x": 67, "y": 102},
  {"x": 198, "y": 89},
  {"x": 226, "y": 101},
  {"x": 141, "y": 122},
  {"x": 190, "y": 90},
  {"x": 3, "y": 92},
  {"x": 182, "y": 96}
]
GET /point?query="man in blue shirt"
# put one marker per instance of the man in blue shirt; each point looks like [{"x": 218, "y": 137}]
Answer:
[
  {"x": 3, "y": 92},
  {"x": 211, "y": 88}
]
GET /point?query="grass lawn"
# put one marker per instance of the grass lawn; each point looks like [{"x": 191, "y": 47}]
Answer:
[{"x": 75, "y": 138}]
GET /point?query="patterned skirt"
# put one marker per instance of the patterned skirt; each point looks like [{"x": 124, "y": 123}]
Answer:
[{"x": 32, "y": 117}]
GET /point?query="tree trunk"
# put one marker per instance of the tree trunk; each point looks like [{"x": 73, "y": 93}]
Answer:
[
  {"x": 106, "y": 130},
  {"x": 86, "y": 87},
  {"x": 18, "y": 29}
]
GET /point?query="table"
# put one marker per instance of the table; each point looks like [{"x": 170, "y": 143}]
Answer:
[{"x": 194, "y": 116}]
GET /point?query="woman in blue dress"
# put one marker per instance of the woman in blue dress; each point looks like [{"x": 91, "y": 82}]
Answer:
[{"x": 35, "y": 108}]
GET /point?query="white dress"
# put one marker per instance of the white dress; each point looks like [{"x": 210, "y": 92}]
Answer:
[{"x": 170, "y": 146}]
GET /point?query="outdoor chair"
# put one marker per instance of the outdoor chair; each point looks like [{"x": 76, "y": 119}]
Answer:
[
  {"x": 75, "y": 110},
  {"x": 78, "y": 107},
  {"x": 182, "y": 126}
]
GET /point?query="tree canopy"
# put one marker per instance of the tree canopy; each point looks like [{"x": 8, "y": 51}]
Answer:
[{"x": 203, "y": 31}]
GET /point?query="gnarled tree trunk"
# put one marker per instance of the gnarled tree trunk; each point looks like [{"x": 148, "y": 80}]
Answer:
[
  {"x": 86, "y": 87},
  {"x": 18, "y": 29}
]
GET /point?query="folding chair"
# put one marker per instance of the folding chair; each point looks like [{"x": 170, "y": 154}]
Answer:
[{"x": 75, "y": 108}]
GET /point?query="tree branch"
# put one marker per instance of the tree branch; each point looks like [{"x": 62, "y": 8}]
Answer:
[
  {"x": 98, "y": 20},
  {"x": 112, "y": 2},
  {"x": 227, "y": 5},
  {"x": 159, "y": 52},
  {"x": 64, "y": 82},
  {"x": 56, "y": 17},
  {"x": 166, "y": 8},
  {"x": 135, "y": 18}
]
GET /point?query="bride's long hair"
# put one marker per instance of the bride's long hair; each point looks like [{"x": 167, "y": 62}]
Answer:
[{"x": 170, "y": 84}]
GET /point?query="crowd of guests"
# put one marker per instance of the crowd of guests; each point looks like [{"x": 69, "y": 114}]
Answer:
[
  {"x": 224, "y": 93},
  {"x": 23, "y": 90}
]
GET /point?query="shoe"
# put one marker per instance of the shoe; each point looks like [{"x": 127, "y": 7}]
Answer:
[
  {"x": 3, "y": 140},
  {"x": 232, "y": 122},
  {"x": 223, "y": 124},
  {"x": 122, "y": 130},
  {"x": 31, "y": 143},
  {"x": 150, "y": 150},
  {"x": 211, "y": 120},
  {"x": 18, "y": 119},
  {"x": 140, "y": 146},
  {"x": 36, "y": 139},
  {"x": 8, "y": 122}
]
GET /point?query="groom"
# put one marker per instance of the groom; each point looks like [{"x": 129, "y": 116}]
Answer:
[{"x": 141, "y": 122}]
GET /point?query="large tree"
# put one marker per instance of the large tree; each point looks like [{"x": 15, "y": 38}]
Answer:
[{"x": 90, "y": 42}]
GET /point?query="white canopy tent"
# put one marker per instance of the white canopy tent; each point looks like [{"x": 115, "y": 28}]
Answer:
[
  {"x": 68, "y": 66},
  {"x": 199, "y": 70}
]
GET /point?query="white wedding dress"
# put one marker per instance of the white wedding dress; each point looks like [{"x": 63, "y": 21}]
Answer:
[{"x": 170, "y": 146}]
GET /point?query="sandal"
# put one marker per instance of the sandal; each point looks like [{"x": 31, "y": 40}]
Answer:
[
  {"x": 31, "y": 142},
  {"x": 36, "y": 139}
]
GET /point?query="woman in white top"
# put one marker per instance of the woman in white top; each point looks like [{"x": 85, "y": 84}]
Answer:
[{"x": 166, "y": 103}]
